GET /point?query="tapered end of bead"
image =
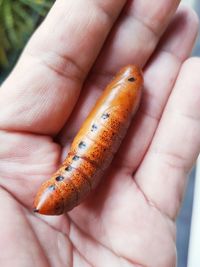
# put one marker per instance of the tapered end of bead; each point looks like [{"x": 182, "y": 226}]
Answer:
[
  {"x": 35, "y": 210},
  {"x": 48, "y": 200}
]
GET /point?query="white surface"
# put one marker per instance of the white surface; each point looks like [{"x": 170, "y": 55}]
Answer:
[
  {"x": 194, "y": 245},
  {"x": 189, "y": 2}
]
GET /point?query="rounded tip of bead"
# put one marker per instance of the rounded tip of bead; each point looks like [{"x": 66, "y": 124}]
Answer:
[{"x": 48, "y": 200}]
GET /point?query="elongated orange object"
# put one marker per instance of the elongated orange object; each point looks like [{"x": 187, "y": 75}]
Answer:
[{"x": 94, "y": 146}]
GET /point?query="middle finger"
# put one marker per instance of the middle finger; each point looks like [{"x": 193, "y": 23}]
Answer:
[{"x": 132, "y": 40}]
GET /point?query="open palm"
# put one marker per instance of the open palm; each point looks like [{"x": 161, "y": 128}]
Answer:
[{"x": 129, "y": 219}]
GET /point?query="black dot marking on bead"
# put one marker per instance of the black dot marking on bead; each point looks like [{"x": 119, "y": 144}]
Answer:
[
  {"x": 132, "y": 79},
  {"x": 36, "y": 210},
  {"x": 94, "y": 127},
  {"x": 82, "y": 145},
  {"x": 105, "y": 116},
  {"x": 59, "y": 178},
  {"x": 75, "y": 158},
  {"x": 52, "y": 187},
  {"x": 69, "y": 168}
]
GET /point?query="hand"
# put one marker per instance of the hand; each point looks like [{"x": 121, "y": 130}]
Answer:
[{"x": 130, "y": 220}]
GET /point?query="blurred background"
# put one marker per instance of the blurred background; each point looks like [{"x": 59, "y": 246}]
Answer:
[{"x": 18, "y": 19}]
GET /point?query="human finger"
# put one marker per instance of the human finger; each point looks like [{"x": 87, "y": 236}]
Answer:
[
  {"x": 159, "y": 77},
  {"x": 41, "y": 92},
  {"x": 176, "y": 144},
  {"x": 132, "y": 41}
]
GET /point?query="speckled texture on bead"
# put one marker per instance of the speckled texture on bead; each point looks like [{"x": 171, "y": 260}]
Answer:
[{"x": 93, "y": 147}]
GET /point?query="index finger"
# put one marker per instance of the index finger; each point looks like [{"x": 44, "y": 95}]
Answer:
[{"x": 41, "y": 92}]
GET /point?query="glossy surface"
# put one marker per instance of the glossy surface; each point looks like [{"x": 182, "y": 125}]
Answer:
[{"x": 94, "y": 146}]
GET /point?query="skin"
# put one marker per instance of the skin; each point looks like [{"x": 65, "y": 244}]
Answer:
[{"x": 130, "y": 219}]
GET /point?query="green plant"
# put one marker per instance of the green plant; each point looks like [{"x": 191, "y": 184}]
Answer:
[{"x": 18, "y": 19}]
